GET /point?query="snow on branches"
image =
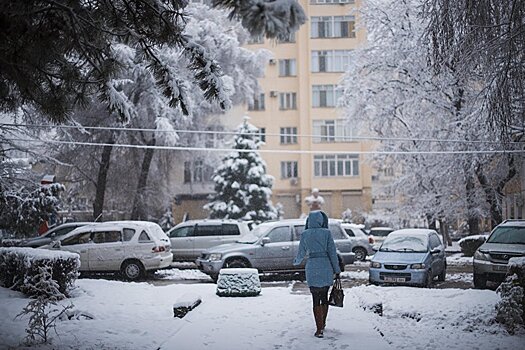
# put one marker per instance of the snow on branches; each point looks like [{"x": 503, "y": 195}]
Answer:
[{"x": 243, "y": 189}]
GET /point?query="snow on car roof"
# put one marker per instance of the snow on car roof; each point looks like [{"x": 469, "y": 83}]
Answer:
[{"x": 412, "y": 232}]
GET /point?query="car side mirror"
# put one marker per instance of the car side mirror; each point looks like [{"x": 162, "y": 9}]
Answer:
[
  {"x": 435, "y": 251},
  {"x": 265, "y": 240},
  {"x": 56, "y": 245}
]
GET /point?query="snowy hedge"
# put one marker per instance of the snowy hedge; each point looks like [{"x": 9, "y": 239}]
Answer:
[
  {"x": 238, "y": 282},
  {"x": 469, "y": 244},
  {"x": 511, "y": 309},
  {"x": 38, "y": 272}
]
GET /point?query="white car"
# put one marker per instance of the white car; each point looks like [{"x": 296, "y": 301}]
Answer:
[
  {"x": 131, "y": 247},
  {"x": 378, "y": 235},
  {"x": 362, "y": 242}
]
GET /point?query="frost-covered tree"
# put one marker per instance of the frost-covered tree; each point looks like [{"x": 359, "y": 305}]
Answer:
[
  {"x": 147, "y": 107},
  {"x": 242, "y": 187},
  {"x": 391, "y": 91},
  {"x": 57, "y": 54}
]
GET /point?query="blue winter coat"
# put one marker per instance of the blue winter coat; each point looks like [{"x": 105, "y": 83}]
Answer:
[{"x": 317, "y": 241}]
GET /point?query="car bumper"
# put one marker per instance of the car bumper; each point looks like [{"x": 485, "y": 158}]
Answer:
[
  {"x": 348, "y": 258},
  {"x": 492, "y": 271},
  {"x": 209, "y": 267},
  {"x": 405, "y": 277},
  {"x": 158, "y": 262}
]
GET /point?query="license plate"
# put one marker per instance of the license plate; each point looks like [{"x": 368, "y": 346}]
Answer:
[
  {"x": 500, "y": 267},
  {"x": 395, "y": 279}
]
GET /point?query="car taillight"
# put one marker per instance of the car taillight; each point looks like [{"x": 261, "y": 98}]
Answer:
[
  {"x": 370, "y": 239},
  {"x": 159, "y": 249}
]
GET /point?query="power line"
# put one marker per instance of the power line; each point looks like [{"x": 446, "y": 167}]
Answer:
[
  {"x": 216, "y": 132},
  {"x": 205, "y": 149}
]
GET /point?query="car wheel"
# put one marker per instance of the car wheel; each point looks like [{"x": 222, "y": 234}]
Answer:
[
  {"x": 480, "y": 281},
  {"x": 360, "y": 253},
  {"x": 428, "y": 280},
  {"x": 236, "y": 263},
  {"x": 132, "y": 270},
  {"x": 443, "y": 274}
]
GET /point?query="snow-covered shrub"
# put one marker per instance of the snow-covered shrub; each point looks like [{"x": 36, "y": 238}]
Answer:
[
  {"x": 43, "y": 313},
  {"x": 511, "y": 309},
  {"x": 10, "y": 242},
  {"x": 470, "y": 244},
  {"x": 239, "y": 282},
  {"x": 38, "y": 272}
]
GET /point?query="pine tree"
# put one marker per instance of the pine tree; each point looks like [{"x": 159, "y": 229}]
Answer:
[{"x": 242, "y": 187}]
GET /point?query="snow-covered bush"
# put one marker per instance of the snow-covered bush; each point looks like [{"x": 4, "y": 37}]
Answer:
[
  {"x": 511, "y": 309},
  {"x": 239, "y": 282},
  {"x": 469, "y": 244},
  {"x": 38, "y": 272}
]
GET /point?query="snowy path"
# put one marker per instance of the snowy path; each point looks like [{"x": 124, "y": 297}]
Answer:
[{"x": 276, "y": 319}]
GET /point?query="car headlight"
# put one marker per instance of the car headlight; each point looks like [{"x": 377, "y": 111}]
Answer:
[
  {"x": 375, "y": 265},
  {"x": 481, "y": 256},
  {"x": 215, "y": 257},
  {"x": 417, "y": 266}
]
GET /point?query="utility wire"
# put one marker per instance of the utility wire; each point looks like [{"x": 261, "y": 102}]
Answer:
[
  {"x": 184, "y": 148},
  {"x": 345, "y": 138}
]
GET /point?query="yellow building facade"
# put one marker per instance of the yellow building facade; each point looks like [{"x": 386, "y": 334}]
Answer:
[{"x": 297, "y": 116}]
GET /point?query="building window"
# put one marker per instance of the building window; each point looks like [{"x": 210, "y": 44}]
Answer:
[
  {"x": 197, "y": 171},
  {"x": 262, "y": 134},
  {"x": 288, "y": 135},
  {"x": 325, "y": 95},
  {"x": 334, "y": 130},
  {"x": 330, "y": 61},
  {"x": 258, "y": 103},
  {"x": 287, "y": 68},
  {"x": 287, "y": 100},
  {"x": 331, "y": 165},
  {"x": 288, "y": 169},
  {"x": 289, "y": 39},
  {"x": 333, "y": 27}
]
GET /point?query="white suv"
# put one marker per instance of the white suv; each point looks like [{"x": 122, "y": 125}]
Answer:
[{"x": 131, "y": 247}]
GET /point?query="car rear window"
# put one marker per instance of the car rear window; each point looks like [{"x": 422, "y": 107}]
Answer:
[{"x": 380, "y": 233}]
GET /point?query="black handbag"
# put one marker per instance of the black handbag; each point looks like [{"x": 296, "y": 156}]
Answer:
[{"x": 336, "y": 294}]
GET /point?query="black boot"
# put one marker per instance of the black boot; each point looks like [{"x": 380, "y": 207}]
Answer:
[
  {"x": 325, "y": 313},
  {"x": 318, "y": 315}
]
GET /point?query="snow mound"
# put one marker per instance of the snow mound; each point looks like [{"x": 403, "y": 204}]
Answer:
[{"x": 240, "y": 282}]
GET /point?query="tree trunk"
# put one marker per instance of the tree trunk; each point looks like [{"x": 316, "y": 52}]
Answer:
[
  {"x": 472, "y": 217},
  {"x": 493, "y": 195},
  {"x": 98, "y": 204},
  {"x": 138, "y": 208},
  {"x": 443, "y": 229}
]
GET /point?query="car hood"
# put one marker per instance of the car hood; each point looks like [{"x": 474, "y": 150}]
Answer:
[
  {"x": 229, "y": 247},
  {"x": 36, "y": 242},
  {"x": 395, "y": 257},
  {"x": 503, "y": 248}
]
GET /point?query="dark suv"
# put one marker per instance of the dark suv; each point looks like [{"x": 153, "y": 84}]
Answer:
[{"x": 506, "y": 241}]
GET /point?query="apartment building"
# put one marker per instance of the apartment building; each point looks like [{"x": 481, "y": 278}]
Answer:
[{"x": 296, "y": 111}]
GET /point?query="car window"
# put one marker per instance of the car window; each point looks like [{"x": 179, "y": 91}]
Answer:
[
  {"x": 185, "y": 231},
  {"x": 280, "y": 234},
  {"x": 106, "y": 236},
  {"x": 434, "y": 241},
  {"x": 80, "y": 238},
  {"x": 62, "y": 231},
  {"x": 128, "y": 234},
  {"x": 144, "y": 237},
  {"x": 508, "y": 235},
  {"x": 380, "y": 233},
  {"x": 337, "y": 232},
  {"x": 350, "y": 232},
  {"x": 230, "y": 230},
  {"x": 207, "y": 230}
]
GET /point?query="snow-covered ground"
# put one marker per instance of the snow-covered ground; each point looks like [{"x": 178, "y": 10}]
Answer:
[{"x": 140, "y": 316}]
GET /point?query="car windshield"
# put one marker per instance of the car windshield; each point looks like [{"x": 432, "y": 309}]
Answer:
[
  {"x": 408, "y": 244},
  {"x": 508, "y": 235},
  {"x": 254, "y": 235}
]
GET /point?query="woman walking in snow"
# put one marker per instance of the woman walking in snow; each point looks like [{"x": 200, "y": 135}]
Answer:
[{"x": 321, "y": 264}]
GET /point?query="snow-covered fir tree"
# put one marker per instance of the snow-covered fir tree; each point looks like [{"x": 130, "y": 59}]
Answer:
[{"x": 242, "y": 187}]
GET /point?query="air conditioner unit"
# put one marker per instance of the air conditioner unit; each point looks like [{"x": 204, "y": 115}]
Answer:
[
  {"x": 273, "y": 93},
  {"x": 294, "y": 181},
  {"x": 273, "y": 61}
]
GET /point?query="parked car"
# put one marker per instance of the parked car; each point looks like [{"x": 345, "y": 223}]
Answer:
[
  {"x": 411, "y": 257},
  {"x": 190, "y": 238},
  {"x": 362, "y": 242},
  {"x": 378, "y": 235},
  {"x": 129, "y": 247},
  {"x": 506, "y": 241},
  {"x": 52, "y": 234},
  {"x": 270, "y": 247}
]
